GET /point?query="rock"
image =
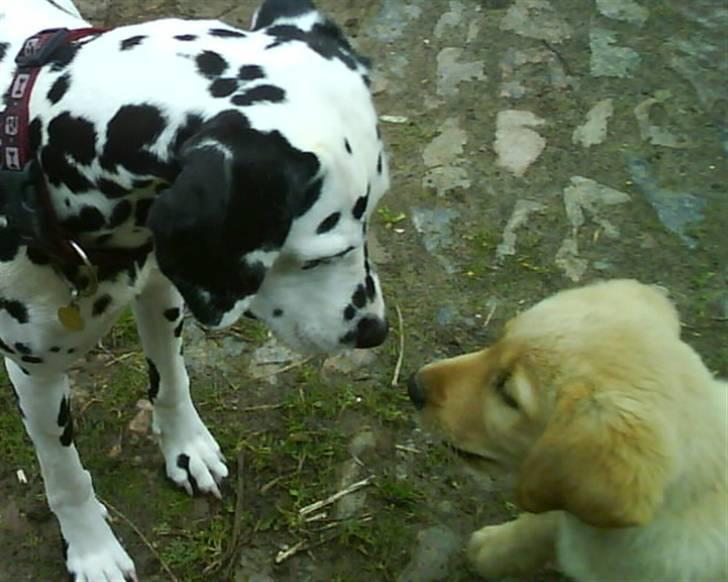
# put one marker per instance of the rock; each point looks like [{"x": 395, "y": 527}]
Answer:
[
  {"x": 594, "y": 130},
  {"x": 655, "y": 134},
  {"x": 523, "y": 209},
  {"x": 451, "y": 72},
  {"x": 516, "y": 143},
  {"x": 435, "y": 547},
  {"x": 624, "y": 10},
  {"x": 608, "y": 60},
  {"x": 536, "y": 19}
]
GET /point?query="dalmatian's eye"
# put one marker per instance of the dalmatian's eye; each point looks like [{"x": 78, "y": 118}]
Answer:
[{"x": 313, "y": 263}]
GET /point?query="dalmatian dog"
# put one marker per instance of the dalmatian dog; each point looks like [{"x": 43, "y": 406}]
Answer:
[{"x": 185, "y": 162}]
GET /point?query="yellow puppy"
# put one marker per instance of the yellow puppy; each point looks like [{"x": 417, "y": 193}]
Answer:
[{"x": 614, "y": 428}]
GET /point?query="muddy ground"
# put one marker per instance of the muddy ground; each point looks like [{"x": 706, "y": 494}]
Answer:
[{"x": 535, "y": 145}]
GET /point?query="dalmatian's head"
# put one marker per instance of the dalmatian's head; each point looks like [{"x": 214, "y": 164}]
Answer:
[{"x": 269, "y": 213}]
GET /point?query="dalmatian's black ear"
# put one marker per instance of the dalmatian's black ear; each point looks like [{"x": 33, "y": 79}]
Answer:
[
  {"x": 237, "y": 193},
  {"x": 272, "y": 10}
]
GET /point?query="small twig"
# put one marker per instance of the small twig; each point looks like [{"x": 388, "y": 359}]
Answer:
[
  {"x": 87, "y": 405},
  {"x": 283, "y": 555},
  {"x": 490, "y": 315},
  {"x": 336, "y": 496},
  {"x": 120, "y": 359},
  {"x": 317, "y": 517},
  {"x": 400, "y": 357},
  {"x": 407, "y": 449},
  {"x": 265, "y": 488},
  {"x": 238, "y": 516},
  {"x": 333, "y": 524},
  {"x": 142, "y": 537},
  {"x": 304, "y": 546},
  {"x": 294, "y": 365},
  {"x": 261, "y": 407}
]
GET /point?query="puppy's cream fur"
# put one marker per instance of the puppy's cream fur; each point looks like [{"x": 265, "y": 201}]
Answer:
[{"x": 616, "y": 432}]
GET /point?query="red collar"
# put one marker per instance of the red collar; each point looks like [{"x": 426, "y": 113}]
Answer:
[
  {"x": 28, "y": 206},
  {"x": 37, "y": 51}
]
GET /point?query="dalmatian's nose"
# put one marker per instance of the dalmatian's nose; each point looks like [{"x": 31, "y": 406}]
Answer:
[{"x": 371, "y": 332}]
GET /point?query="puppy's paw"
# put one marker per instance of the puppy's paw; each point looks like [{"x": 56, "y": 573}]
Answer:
[
  {"x": 518, "y": 547},
  {"x": 193, "y": 459},
  {"x": 489, "y": 552}
]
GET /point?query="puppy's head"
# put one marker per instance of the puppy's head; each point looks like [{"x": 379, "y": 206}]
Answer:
[
  {"x": 269, "y": 212},
  {"x": 570, "y": 400}
]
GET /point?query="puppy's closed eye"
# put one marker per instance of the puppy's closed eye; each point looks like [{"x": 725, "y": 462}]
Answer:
[{"x": 500, "y": 385}]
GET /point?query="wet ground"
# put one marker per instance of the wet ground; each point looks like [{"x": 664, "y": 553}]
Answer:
[{"x": 535, "y": 145}]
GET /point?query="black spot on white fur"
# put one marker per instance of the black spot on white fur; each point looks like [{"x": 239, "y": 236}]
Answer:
[
  {"x": 186, "y": 37},
  {"x": 16, "y": 309},
  {"x": 260, "y": 94},
  {"x": 359, "y": 299},
  {"x": 111, "y": 189},
  {"x": 88, "y": 219},
  {"x": 128, "y": 134},
  {"x": 349, "y": 312},
  {"x": 23, "y": 348},
  {"x": 360, "y": 207},
  {"x": 347, "y": 146},
  {"x": 250, "y": 73},
  {"x": 371, "y": 288},
  {"x": 73, "y": 137},
  {"x": 65, "y": 421},
  {"x": 153, "y": 380},
  {"x": 226, "y": 33},
  {"x": 183, "y": 462},
  {"x": 223, "y": 87},
  {"x": 101, "y": 305},
  {"x": 59, "y": 88},
  {"x": 325, "y": 38},
  {"x": 131, "y": 42},
  {"x": 273, "y": 10},
  {"x": 172, "y": 314},
  {"x": 6, "y": 348},
  {"x": 210, "y": 64},
  {"x": 328, "y": 223}
]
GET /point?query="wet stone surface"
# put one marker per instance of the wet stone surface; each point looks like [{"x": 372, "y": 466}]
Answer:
[{"x": 535, "y": 145}]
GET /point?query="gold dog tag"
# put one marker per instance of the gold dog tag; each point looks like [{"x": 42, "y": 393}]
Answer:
[{"x": 70, "y": 317}]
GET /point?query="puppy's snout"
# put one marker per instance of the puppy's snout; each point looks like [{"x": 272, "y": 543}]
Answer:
[
  {"x": 416, "y": 391},
  {"x": 371, "y": 332}
]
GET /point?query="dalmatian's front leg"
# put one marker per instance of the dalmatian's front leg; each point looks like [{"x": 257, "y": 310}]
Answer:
[
  {"x": 92, "y": 551},
  {"x": 192, "y": 456}
]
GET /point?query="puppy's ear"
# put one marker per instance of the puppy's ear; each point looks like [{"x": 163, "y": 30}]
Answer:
[
  {"x": 272, "y": 10},
  {"x": 600, "y": 458}
]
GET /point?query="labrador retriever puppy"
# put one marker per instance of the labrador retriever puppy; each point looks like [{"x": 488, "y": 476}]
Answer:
[{"x": 614, "y": 429}]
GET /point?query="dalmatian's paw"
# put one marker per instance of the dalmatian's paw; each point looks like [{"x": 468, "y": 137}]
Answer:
[
  {"x": 92, "y": 551},
  {"x": 192, "y": 456}
]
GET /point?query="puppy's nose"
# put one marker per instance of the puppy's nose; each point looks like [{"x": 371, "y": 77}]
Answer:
[
  {"x": 416, "y": 392},
  {"x": 371, "y": 332}
]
